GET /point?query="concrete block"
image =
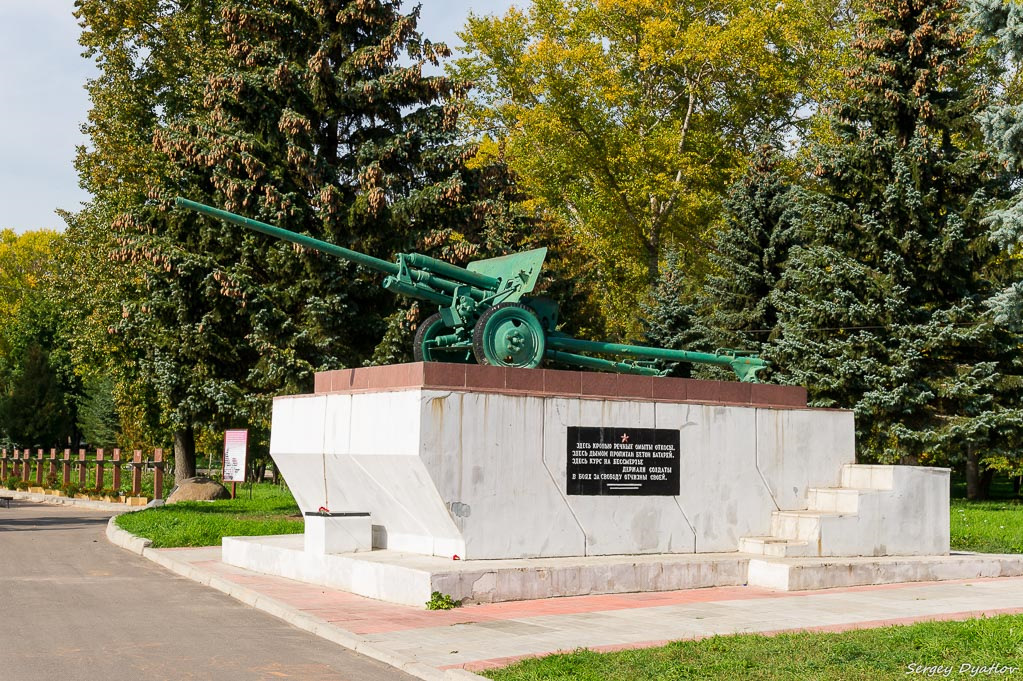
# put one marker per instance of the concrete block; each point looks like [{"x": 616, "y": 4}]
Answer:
[{"x": 338, "y": 533}]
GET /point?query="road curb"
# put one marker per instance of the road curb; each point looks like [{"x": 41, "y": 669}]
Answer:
[
  {"x": 125, "y": 539},
  {"x": 69, "y": 501},
  {"x": 293, "y": 616}
]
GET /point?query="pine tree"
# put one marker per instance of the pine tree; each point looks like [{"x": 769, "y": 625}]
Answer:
[{"x": 881, "y": 307}]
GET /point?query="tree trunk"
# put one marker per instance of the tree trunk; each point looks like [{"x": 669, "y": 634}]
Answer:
[
  {"x": 974, "y": 486},
  {"x": 986, "y": 478},
  {"x": 184, "y": 453}
]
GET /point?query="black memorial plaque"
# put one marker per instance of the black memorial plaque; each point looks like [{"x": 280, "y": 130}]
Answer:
[{"x": 623, "y": 461}]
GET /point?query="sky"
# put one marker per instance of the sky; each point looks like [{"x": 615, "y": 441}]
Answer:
[{"x": 43, "y": 102}]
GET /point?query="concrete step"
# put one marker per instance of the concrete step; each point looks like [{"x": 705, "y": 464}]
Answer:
[
  {"x": 799, "y": 525},
  {"x": 834, "y": 499},
  {"x": 861, "y": 476},
  {"x": 801, "y": 574},
  {"x": 773, "y": 547}
]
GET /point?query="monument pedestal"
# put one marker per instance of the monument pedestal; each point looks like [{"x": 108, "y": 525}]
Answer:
[{"x": 488, "y": 464}]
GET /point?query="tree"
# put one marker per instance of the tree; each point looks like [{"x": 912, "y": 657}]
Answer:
[
  {"x": 313, "y": 116},
  {"x": 1002, "y": 122},
  {"x": 154, "y": 59},
  {"x": 881, "y": 305},
  {"x": 747, "y": 265},
  {"x": 97, "y": 414},
  {"x": 37, "y": 385},
  {"x": 627, "y": 118},
  {"x": 672, "y": 318},
  {"x": 35, "y": 412}
]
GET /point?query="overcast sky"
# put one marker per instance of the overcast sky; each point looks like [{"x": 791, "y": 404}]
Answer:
[{"x": 43, "y": 101}]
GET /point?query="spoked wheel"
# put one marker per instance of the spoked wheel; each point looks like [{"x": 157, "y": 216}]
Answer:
[
  {"x": 509, "y": 335},
  {"x": 429, "y": 329}
]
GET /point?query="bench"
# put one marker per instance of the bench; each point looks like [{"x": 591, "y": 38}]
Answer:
[{"x": 6, "y": 501}]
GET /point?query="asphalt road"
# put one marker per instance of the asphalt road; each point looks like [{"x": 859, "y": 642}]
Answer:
[{"x": 76, "y": 608}]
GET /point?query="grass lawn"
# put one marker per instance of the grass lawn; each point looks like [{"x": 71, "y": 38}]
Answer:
[
  {"x": 987, "y": 526},
  {"x": 272, "y": 510},
  {"x": 885, "y": 653},
  {"x": 994, "y": 526}
]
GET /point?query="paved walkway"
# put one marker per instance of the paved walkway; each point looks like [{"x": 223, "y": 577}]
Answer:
[
  {"x": 74, "y": 607},
  {"x": 483, "y": 636}
]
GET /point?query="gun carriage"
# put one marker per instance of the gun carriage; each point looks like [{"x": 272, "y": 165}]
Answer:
[{"x": 486, "y": 315}]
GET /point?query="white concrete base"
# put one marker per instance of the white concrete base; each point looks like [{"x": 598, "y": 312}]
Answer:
[
  {"x": 339, "y": 533},
  {"x": 410, "y": 579},
  {"x": 485, "y": 475},
  {"x": 804, "y": 574}
]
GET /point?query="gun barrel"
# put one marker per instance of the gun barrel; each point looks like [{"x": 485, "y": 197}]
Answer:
[
  {"x": 455, "y": 272},
  {"x": 295, "y": 238}
]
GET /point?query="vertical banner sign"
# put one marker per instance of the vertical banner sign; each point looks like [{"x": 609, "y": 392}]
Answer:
[
  {"x": 623, "y": 461},
  {"x": 235, "y": 450}
]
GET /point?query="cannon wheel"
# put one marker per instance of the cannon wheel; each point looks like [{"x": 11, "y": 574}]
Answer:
[
  {"x": 428, "y": 329},
  {"x": 509, "y": 335}
]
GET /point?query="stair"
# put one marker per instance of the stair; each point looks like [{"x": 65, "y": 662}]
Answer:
[
  {"x": 774, "y": 547},
  {"x": 860, "y": 517}
]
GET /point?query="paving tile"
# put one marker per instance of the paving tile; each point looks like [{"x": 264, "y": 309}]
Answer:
[{"x": 485, "y": 636}]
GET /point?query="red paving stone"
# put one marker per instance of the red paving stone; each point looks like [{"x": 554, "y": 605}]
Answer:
[{"x": 361, "y": 615}]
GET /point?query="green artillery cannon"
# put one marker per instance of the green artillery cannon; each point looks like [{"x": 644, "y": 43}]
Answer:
[{"x": 486, "y": 316}]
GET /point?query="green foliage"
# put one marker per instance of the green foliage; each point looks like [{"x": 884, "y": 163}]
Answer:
[
  {"x": 37, "y": 385},
  {"x": 313, "y": 116},
  {"x": 439, "y": 601},
  {"x": 671, "y": 317},
  {"x": 1002, "y": 121},
  {"x": 751, "y": 251},
  {"x": 272, "y": 510},
  {"x": 97, "y": 414},
  {"x": 35, "y": 411},
  {"x": 11, "y": 482},
  {"x": 880, "y": 305},
  {"x": 154, "y": 61},
  {"x": 625, "y": 119},
  {"x": 865, "y": 655}
]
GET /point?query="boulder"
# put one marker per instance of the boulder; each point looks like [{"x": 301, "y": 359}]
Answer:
[{"x": 199, "y": 488}]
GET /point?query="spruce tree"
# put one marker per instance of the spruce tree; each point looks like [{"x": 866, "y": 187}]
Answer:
[
  {"x": 998, "y": 24},
  {"x": 749, "y": 256},
  {"x": 672, "y": 318},
  {"x": 316, "y": 117},
  {"x": 881, "y": 308}
]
